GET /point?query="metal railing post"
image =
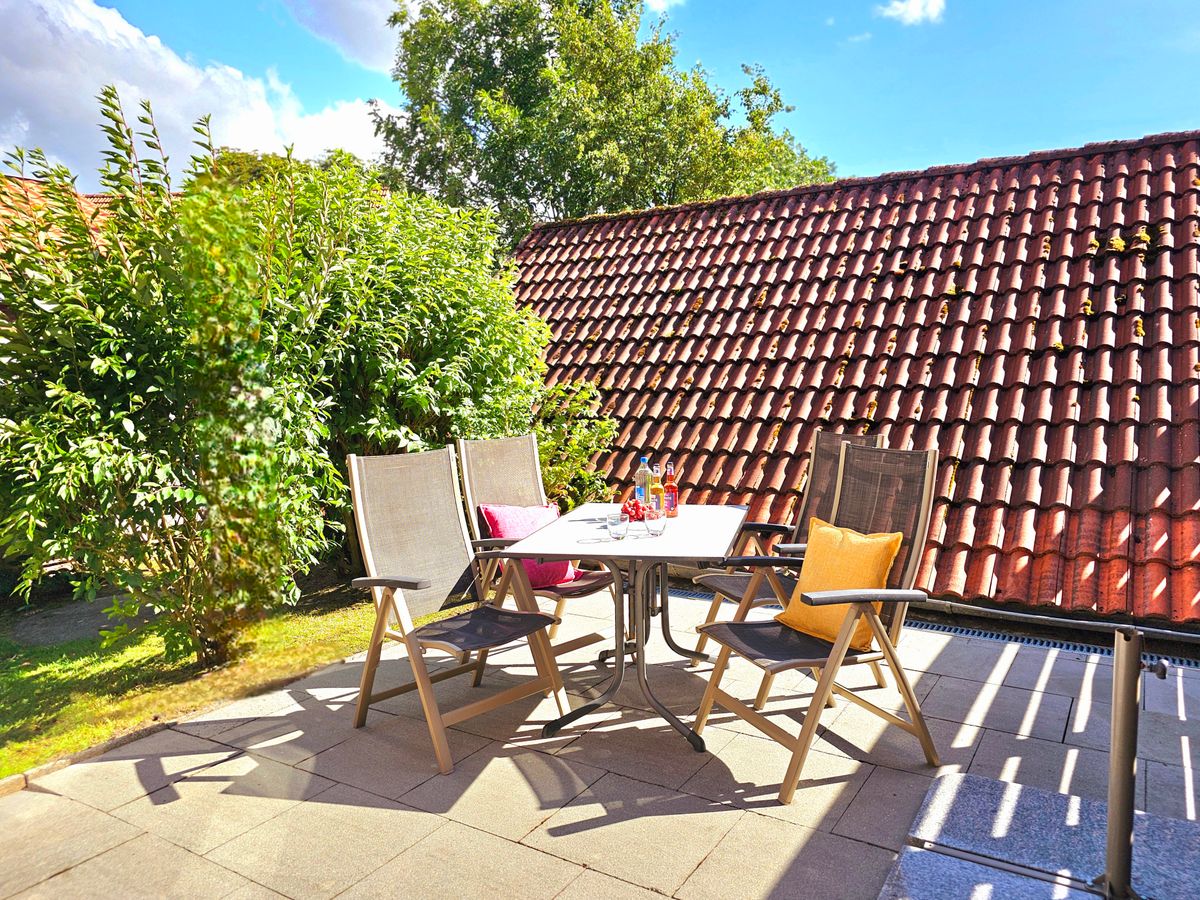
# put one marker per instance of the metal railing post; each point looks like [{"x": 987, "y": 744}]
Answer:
[{"x": 1122, "y": 761}]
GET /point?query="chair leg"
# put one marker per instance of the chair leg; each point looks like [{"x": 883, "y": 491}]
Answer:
[
  {"x": 480, "y": 663},
  {"x": 713, "y": 609},
  {"x": 831, "y": 702},
  {"x": 367, "y": 682},
  {"x": 787, "y": 790},
  {"x": 905, "y": 689},
  {"x": 710, "y": 692},
  {"x": 558, "y": 611},
  {"x": 877, "y": 671},
  {"x": 764, "y": 690},
  {"x": 433, "y": 715}
]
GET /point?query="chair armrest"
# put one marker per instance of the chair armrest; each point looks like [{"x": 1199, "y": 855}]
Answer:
[
  {"x": 490, "y": 543},
  {"x": 762, "y": 562},
  {"x": 792, "y": 549},
  {"x": 883, "y": 595},
  {"x": 404, "y": 582},
  {"x": 767, "y": 528}
]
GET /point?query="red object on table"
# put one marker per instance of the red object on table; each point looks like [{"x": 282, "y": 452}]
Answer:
[{"x": 635, "y": 509}]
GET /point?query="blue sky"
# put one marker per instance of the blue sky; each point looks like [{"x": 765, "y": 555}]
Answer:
[{"x": 878, "y": 85}]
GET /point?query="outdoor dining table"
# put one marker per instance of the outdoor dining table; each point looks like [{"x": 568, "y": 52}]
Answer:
[{"x": 700, "y": 534}]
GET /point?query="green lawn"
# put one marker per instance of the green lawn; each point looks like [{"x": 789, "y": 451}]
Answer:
[{"x": 63, "y": 698}]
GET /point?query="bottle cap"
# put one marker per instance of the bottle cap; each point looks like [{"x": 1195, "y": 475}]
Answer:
[{"x": 645, "y": 459}]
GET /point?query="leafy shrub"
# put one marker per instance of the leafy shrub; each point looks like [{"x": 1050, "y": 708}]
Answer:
[
  {"x": 572, "y": 433},
  {"x": 182, "y": 377},
  {"x": 393, "y": 306},
  {"x": 148, "y": 433}
]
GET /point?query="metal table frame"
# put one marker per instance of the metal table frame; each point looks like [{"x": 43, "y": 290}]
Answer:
[{"x": 644, "y": 582}]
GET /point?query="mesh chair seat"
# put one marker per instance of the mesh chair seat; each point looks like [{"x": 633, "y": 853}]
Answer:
[
  {"x": 733, "y": 585},
  {"x": 772, "y": 646},
  {"x": 482, "y": 628},
  {"x": 584, "y": 583}
]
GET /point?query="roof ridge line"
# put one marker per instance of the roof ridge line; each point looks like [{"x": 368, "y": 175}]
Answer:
[{"x": 1091, "y": 148}]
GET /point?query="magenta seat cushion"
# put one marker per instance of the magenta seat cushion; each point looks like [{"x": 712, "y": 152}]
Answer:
[{"x": 517, "y": 522}]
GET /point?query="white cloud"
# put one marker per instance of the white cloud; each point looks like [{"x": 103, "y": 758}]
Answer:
[
  {"x": 859, "y": 38},
  {"x": 358, "y": 28},
  {"x": 660, "y": 6},
  {"x": 829, "y": 21},
  {"x": 913, "y": 12},
  {"x": 55, "y": 55}
]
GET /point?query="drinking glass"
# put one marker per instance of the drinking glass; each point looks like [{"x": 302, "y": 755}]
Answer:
[
  {"x": 656, "y": 522},
  {"x": 618, "y": 526}
]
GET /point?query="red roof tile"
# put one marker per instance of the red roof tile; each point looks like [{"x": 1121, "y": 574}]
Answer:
[{"x": 1037, "y": 319}]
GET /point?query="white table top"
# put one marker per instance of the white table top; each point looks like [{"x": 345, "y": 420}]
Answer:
[{"x": 701, "y": 532}]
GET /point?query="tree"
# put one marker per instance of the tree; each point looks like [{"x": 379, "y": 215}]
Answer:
[
  {"x": 548, "y": 110},
  {"x": 245, "y": 166},
  {"x": 183, "y": 373},
  {"x": 148, "y": 434}
]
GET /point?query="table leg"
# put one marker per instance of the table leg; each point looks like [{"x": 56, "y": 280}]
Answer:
[
  {"x": 552, "y": 728},
  {"x": 642, "y": 578},
  {"x": 665, "y": 592}
]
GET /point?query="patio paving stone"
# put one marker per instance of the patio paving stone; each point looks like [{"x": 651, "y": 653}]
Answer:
[
  {"x": 643, "y": 746},
  {"x": 46, "y": 834},
  {"x": 521, "y": 723},
  {"x": 456, "y": 861},
  {"x": 146, "y": 866},
  {"x": 748, "y": 770},
  {"x": 389, "y": 758},
  {"x": 592, "y": 884},
  {"x": 298, "y": 733},
  {"x": 1177, "y": 695},
  {"x": 213, "y": 722},
  {"x": 1170, "y": 790},
  {"x": 641, "y": 833},
  {"x": 507, "y": 791},
  {"x": 1048, "y": 765},
  {"x": 766, "y": 857},
  {"x": 1165, "y": 738},
  {"x": 992, "y": 705},
  {"x": 974, "y": 660},
  {"x": 1086, "y": 676},
  {"x": 883, "y": 808},
  {"x": 860, "y": 734},
  {"x": 291, "y": 852},
  {"x": 210, "y": 807},
  {"x": 134, "y": 769}
]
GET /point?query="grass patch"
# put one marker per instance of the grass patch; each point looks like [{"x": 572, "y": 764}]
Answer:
[{"x": 63, "y": 698}]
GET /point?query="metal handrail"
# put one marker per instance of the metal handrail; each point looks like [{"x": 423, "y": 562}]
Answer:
[{"x": 1128, "y": 642}]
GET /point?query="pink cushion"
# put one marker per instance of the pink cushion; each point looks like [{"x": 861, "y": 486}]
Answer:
[{"x": 517, "y": 522}]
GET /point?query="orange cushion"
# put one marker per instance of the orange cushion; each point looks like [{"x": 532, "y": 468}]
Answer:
[{"x": 839, "y": 559}]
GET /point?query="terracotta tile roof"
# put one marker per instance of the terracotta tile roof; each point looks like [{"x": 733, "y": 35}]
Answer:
[
  {"x": 19, "y": 195},
  {"x": 1037, "y": 319}
]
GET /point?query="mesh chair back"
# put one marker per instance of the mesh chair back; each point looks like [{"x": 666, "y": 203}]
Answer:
[
  {"x": 503, "y": 471},
  {"x": 889, "y": 490},
  {"x": 821, "y": 485},
  {"x": 410, "y": 522}
]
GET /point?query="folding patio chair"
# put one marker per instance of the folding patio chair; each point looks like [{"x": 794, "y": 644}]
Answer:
[
  {"x": 419, "y": 560},
  {"x": 507, "y": 471},
  {"x": 817, "y": 500},
  {"x": 878, "y": 490}
]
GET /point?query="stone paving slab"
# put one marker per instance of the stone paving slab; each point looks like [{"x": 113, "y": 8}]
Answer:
[
  {"x": 44, "y": 834},
  {"x": 278, "y": 795},
  {"x": 209, "y": 807},
  {"x": 1055, "y": 834},
  {"x": 766, "y": 857},
  {"x": 320, "y": 848},
  {"x": 146, "y": 866},
  {"x": 925, "y": 875},
  {"x": 638, "y": 832},
  {"x": 135, "y": 769}
]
